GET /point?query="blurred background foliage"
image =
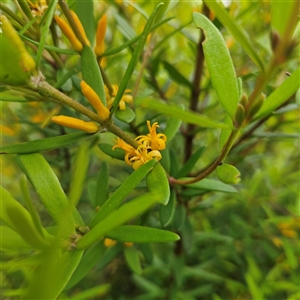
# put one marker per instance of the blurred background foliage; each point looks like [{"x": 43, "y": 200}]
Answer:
[{"x": 242, "y": 245}]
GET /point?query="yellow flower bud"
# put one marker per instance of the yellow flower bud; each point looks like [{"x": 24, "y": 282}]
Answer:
[
  {"x": 128, "y": 244},
  {"x": 100, "y": 35},
  {"x": 68, "y": 32},
  {"x": 95, "y": 101},
  {"x": 89, "y": 127},
  {"x": 80, "y": 27}
]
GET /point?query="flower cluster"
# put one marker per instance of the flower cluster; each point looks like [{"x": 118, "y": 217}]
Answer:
[{"x": 149, "y": 146}]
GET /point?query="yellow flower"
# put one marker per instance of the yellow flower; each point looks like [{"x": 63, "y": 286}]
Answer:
[
  {"x": 126, "y": 98},
  {"x": 153, "y": 140},
  {"x": 140, "y": 156},
  {"x": 148, "y": 149},
  {"x": 89, "y": 127},
  {"x": 123, "y": 145}
]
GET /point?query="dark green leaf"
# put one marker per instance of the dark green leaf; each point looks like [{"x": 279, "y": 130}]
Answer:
[
  {"x": 179, "y": 216},
  {"x": 85, "y": 12},
  {"x": 88, "y": 261},
  {"x": 45, "y": 144},
  {"x": 166, "y": 213},
  {"x": 176, "y": 75},
  {"x": 133, "y": 260},
  {"x": 107, "y": 149},
  {"x": 102, "y": 185},
  {"x": 141, "y": 234},
  {"x": 120, "y": 194},
  {"x": 219, "y": 64},
  {"x": 188, "y": 166},
  {"x": 172, "y": 128}
]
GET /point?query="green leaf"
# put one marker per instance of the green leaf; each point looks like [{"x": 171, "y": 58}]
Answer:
[
  {"x": 211, "y": 185},
  {"x": 45, "y": 144},
  {"x": 50, "y": 191},
  {"x": 165, "y": 160},
  {"x": 88, "y": 261},
  {"x": 219, "y": 64},
  {"x": 79, "y": 171},
  {"x": 19, "y": 219},
  {"x": 126, "y": 115},
  {"x": 107, "y": 149},
  {"x": 166, "y": 212},
  {"x": 188, "y": 166},
  {"x": 93, "y": 293},
  {"x": 158, "y": 184},
  {"x": 141, "y": 234},
  {"x": 49, "y": 279},
  {"x": 281, "y": 12},
  {"x": 179, "y": 216},
  {"x": 91, "y": 72},
  {"x": 115, "y": 50},
  {"x": 102, "y": 185},
  {"x": 119, "y": 195},
  {"x": 236, "y": 31},
  {"x": 133, "y": 260},
  {"x": 118, "y": 217},
  {"x": 10, "y": 240},
  {"x": 177, "y": 112},
  {"x": 176, "y": 75},
  {"x": 172, "y": 128},
  {"x": 134, "y": 60},
  {"x": 124, "y": 27},
  {"x": 45, "y": 25},
  {"x": 85, "y": 13},
  {"x": 50, "y": 48},
  {"x": 280, "y": 95}
]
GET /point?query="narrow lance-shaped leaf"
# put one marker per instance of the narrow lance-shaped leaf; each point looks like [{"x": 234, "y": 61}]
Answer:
[
  {"x": 172, "y": 128},
  {"x": 235, "y": 30},
  {"x": 91, "y": 73},
  {"x": 133, "y": 259},
  {"x": 50, "y": 191},
  {"x": 49, "y": 279},
  {"x": 141, "y": 234},
  {"x": 166, "y": 213},
  {"x": 79, "y": 172},
  {"x": 120, "y": 48},
  {"x": 280, "y": 95},
  {"x": 135, "y": 58},
  {"x": 118, "y": 217},
  {"x": 45, "y": 144},
  {"x": 177, "y": 112},
  {"x": 46, "y": 22},
  {"x": 102, "y": 185},
  {"x": 119, "y": 195},
  {"x": 188, "y": 166},
  {"x": 176, "y": 75},
  {"x": 219, "y": 64}
]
